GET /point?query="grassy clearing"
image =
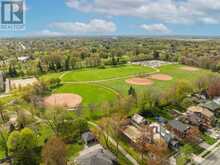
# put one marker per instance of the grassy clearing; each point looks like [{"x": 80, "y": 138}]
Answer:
[
  {"x": 94, "y": 74},
  {"x": 90, "y": 93}
]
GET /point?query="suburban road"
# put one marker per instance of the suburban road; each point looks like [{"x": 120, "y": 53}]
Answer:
[{"x": 213, "y": 159}]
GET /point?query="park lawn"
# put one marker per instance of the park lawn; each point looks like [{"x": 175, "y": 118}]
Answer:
[
  {"x": 91, "y": 93},
  {"x": 178, "y": 75},
  {"x": 173, "y": 70},
  {"x": 94, "y": 74}
]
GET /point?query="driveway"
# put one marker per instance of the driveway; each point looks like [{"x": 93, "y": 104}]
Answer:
[{"x": 213, "y": 159}]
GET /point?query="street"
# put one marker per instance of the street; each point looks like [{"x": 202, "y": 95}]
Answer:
[{"x": 213, "y": 159}]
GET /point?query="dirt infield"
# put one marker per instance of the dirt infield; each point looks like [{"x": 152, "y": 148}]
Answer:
[
  {"x": 63, "y": 100},
  {"x": 139, "y": 81},
  {"x": 189, "y": 68},
  {"x": 161, "y": 77}
]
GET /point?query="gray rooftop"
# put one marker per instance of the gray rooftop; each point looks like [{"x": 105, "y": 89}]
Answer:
[
  {"x": 98, "y": 156},
  {"x": 178, "y": 125}
]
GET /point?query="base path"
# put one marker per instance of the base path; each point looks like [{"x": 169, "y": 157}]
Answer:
[
  {"x": 139, "y": 81},
  {"x": 161, "y": 77},
  {"x": 189, "y": 68},
  {"x": 127, "y": 155}
]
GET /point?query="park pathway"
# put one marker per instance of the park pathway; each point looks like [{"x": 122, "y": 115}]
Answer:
[{"x": 122, "y": 150}]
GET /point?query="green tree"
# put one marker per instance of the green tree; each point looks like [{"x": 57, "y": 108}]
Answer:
[
  {"x": 22, "y": 147},
  {"x": 3, "y": 140}
]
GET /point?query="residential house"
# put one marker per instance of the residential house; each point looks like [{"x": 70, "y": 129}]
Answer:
[
  {"x": 138, "y": 119},
  {"x": 212, "y": 106},
  {"x": 96, "y": 155},
  {"x": 132, "y": 133},
  {"x": 178, "y": 128},
  {"x": 200, "y": 117},
  {"x": 166, "y": 135}
]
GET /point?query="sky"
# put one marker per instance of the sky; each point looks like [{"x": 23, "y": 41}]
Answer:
[{"x": 119, "y": 17}]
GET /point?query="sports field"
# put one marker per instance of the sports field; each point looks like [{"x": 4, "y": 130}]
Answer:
[
  {"x": 174, "y": 71},
  {"x": 98, "y": 85},
  {"x": 103, "y": 74}
]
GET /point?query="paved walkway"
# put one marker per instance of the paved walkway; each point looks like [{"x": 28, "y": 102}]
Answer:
[
  {"x": 204, "y": 157},
  {"x": 213, "y": 159},
  {"x": 127, "y": 155},
  {"x": 212, "y": 147}
]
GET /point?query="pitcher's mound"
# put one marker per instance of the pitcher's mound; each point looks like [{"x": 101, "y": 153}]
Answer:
[
  {"x": 139, "y": 81},
  {"x": 189, "y": 68},
  {"x": 63, "y": 100},
  {"x": 161, "y": 77}
]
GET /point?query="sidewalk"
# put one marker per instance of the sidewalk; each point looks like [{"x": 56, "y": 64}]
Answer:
[{"x": 205, "y": 154}]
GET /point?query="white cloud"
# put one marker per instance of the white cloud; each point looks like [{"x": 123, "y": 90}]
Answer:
[
  {"x": 93, "y": 26},
  {"x": 155, "y": 28},
  {"x": 48, "y": 33},
  {"x": 168, "y": 11},
  {"x": 208, "y": 20}
]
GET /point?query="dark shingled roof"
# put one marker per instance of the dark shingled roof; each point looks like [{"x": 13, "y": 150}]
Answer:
[
  {"x": 178, "y": 125},
  {"x": 98, "y": 157}
]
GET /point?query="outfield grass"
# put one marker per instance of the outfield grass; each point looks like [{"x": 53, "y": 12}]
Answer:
[
  {"x": 90, "y": 93},
  {"x": 173, "y": 70},
  {"x": 94, "y": 74},
  {"x": 96, "y": 93}
]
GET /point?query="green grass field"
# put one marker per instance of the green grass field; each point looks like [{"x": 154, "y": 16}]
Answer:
[
  {"x": 94, "y": 74},
  {"x": 114, "y": 81},
  {"x": 173, "y": 70},
  {"x": 91, "y": 93}
]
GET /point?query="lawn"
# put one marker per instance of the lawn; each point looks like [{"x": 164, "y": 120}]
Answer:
[
  {"x": 173, "y": 70},
  {"x": 209, "y": 140},
  {"x": 93, "y": 74},
  {"x": 91, "y": 93}
]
